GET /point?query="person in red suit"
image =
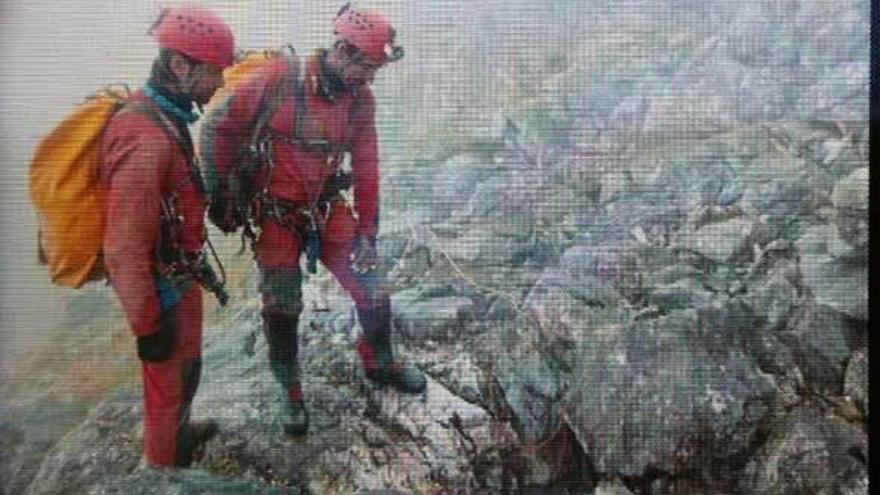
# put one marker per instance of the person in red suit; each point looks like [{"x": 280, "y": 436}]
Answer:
[
  {"x": 302, "y": 123},
  {"x": 155, "y": 222}
]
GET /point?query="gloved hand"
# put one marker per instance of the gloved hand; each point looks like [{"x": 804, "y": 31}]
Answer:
[
  {"x": 157, "y": 346},
  {"x": 222, "y": 211},
  {"x": 364, "y": 257}
]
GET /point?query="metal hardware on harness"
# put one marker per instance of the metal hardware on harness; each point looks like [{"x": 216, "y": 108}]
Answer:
[
  {"x": 173, "y": 262},
  {"x": 313, "y": 247},
  {"x": 309, "y": 232},
  {"x": 196, "y": 266},
  {"x": 261, "y": 151},
  {"x": 316, "y": 145}
]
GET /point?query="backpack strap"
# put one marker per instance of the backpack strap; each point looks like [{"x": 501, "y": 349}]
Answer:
[
  {"x": 170, "y": 130},
  {"x": 272, "y": 99},
  {"x": 298, "y": 85}
]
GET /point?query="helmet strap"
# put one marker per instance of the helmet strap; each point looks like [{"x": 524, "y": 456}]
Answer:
[
  {"x": 329, "y": 82},
  {"x": 195, "y": 74},
  {"x": 179, "y": 89}
]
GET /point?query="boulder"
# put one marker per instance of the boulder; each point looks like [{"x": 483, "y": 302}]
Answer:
[
  {"x": 532, "y": 391},
  {"x": 438, "y": 318},
  {"x": 852, "y": 190},
  {"x": 105, "y": 445},
  {"x": 559, "y": 310},
  {"x": 809, "y": 452},
  {"x": 835, "y": 273},
  {"x": 850, "y": 198},
  {"x": 182, "y": 481},
  {"x": 819, "y": 337},
  {"x": 611, "y": 488},
  {"x": 720, "y": 242},
  {"x": 682, "y": 294},
  {"x": 855, "y": 384},
  {"x": 774, "y": 300},
  {"x": 662, "y": 394}
]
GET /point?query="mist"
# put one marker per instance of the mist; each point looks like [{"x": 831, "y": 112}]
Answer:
[{"x": 623, "y": 237}]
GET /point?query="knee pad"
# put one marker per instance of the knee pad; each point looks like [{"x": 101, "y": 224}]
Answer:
[
  {"x": 375, "y": 287},
  {"x": 281, "y": 289}
]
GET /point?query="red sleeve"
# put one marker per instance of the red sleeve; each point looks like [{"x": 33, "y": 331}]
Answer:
[
  {"x": 136, "y": 158},
  {"x": 365, "y": 165},
  {"x": 229, "y": 123}
]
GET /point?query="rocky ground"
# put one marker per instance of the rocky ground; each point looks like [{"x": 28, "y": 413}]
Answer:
[
  {"x": 603, "y": 309},
  {"x": 679, "y": 347}
]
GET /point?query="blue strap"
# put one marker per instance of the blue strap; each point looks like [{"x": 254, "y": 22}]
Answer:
[{"x": 169, "y": 293}]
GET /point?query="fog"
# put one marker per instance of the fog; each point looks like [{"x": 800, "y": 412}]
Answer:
[
  {"x": 52, "y": 55},
  {"x": 56, "y": 53},
  {"x": 628, "y": 233}
]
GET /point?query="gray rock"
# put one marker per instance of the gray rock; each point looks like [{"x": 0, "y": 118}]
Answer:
[
  {"x": 108, "y": 443},
  {"x": 654, "y": 395},
  {"x": 783, "y": 199},
  {"x": 183, "y": 482},
  {"x": 412, "y": 443},
  {"x": 766, "y": 94},
  {"x": 533, "y": 392},
  {"x": 501, "y": 309},
  {"x": 809, "y": 452},
  {"x": 447, "y": 428},
  {"x": 823, "y": 240},
  {"x": 375, "y": 436},
  {"x": 852, "y": 226},
  {"x": 708, "y": 178},
  {"x": 487, "y": 199},
  {"x": 580, "y": 261},
  {"x": 600, "y": 274},
  {"x": 611, "y": 488},
  {"x": 724, "y": 326},
  {"x": 685, "y": 293},
  {"x": 479, "y": 246},
  {"x": 558, "y": 310},
  {"x": 820, "y": 339},
  {"x": 434, "y": 290},
  {"x": 455, "y": 181},
  {"x": 453, "y": 366},
  {"x": 855, "y": 383},
  {"x": 27, "y": 434},
  {"x": 836, "y": 275},
  {"x": 440, "y": 318},
  {"x": 850, "y": 198},
  {"x": 774, "y": 301},
  {"x": 720, "y": 242},
  {"x": 489, "y": 128},
  {"x": 671, "y": 274}
]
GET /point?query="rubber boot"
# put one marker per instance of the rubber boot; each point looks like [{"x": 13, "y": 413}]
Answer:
[
  {"x": 281, "y": 334},
  {"x": 192, "y": 434},
  {"x": 377, "y": 356}
]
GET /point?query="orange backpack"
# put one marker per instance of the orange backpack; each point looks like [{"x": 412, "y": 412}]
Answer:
[{"x": 65, "y": 189}]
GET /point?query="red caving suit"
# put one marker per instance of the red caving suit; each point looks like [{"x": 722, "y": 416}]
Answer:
[{"x": 142, "y": 164}]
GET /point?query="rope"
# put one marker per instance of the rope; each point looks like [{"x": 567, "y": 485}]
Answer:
[
  {"x": 433, "y": 250},
  {"x": 216, "y": 260}
]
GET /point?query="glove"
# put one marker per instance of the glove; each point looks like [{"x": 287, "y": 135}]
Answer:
[
  {"x": 156, "y": 347},
  {"x": 222, "y": 211}
]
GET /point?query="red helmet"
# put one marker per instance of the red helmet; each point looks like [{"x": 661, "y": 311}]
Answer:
[
  {"x": 197, "y": 33},
  {"x": 369, "y": 32}
]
